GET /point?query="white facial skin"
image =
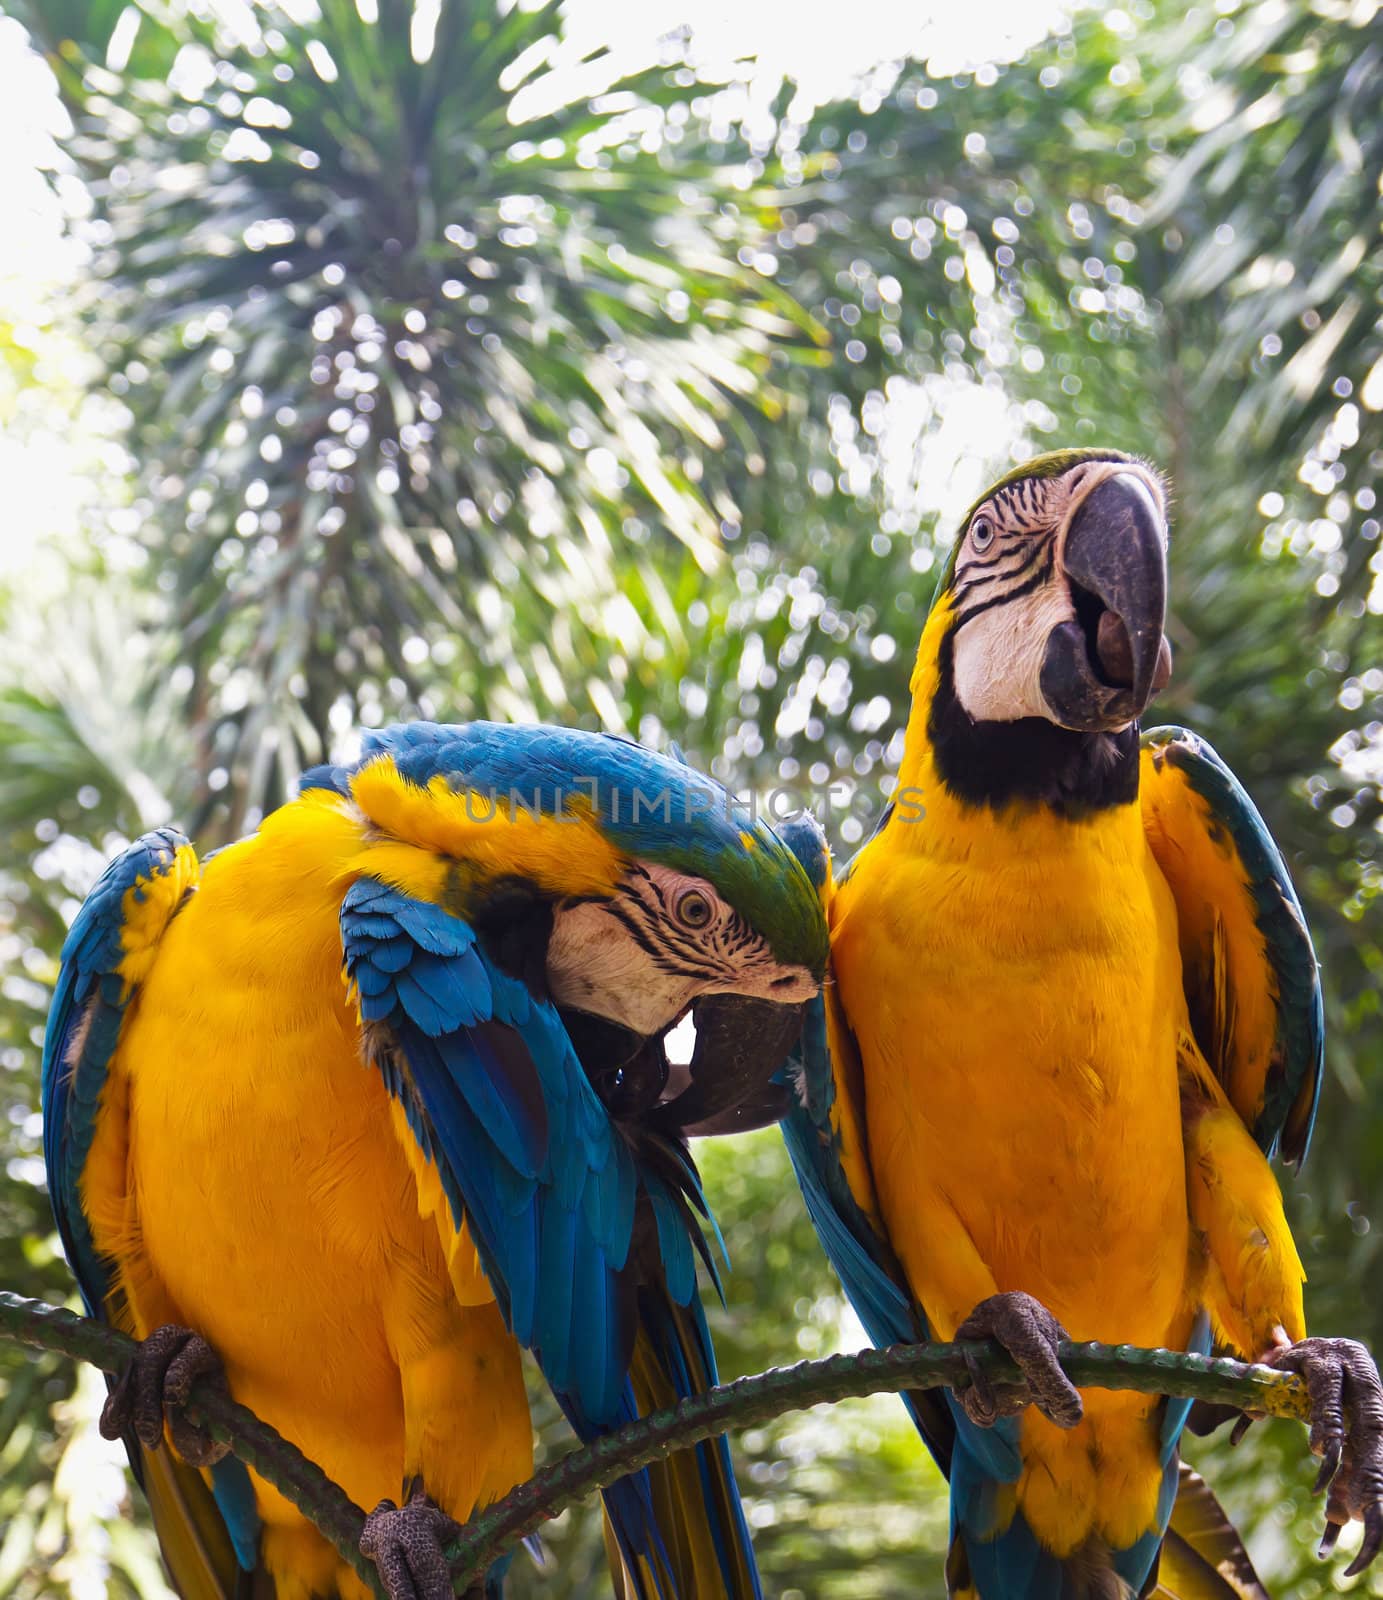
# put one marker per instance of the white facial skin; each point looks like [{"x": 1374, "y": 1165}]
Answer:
[
  {"x": 1015, "y": 537},
  {"x": 665, "y": 940}
]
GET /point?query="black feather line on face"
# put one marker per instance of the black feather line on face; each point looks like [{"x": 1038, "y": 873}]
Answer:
[
  {"x": 652, "y": 946},
  {"x": 1023, "y": 550},
  {"x": 984, "y": 563},
  {"x": 714, "y": 948},
  {"x": 1031, "y": 761},
  {"x": 1036, "y": 581},
  {"x": 704, "y": 954}
]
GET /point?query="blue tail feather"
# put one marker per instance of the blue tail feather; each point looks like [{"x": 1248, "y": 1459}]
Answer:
[{"x": 1001, "y": 1561}]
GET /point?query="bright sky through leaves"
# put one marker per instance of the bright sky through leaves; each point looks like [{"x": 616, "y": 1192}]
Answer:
[{"x": 45, "y": 454}]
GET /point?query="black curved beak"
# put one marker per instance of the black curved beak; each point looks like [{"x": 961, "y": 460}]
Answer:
[
  {"x": 1103, "y": 667},
  {"x": 741, "y": 1041}
]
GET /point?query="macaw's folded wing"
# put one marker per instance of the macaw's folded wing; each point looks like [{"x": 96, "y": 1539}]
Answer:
[{"x": 1252, "y": 983}]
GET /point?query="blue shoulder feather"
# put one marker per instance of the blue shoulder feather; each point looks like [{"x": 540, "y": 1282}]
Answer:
[{"x": 83, "y": 1030}]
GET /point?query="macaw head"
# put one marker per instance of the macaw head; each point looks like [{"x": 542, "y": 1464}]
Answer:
[
  {"x": 625, "y": 887},
  {"x": 1049, "y": 615},
  {"x": 1058, "y": 592},
  {"x": 712, "y": 913}
]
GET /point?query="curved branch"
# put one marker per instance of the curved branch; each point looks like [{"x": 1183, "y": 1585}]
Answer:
[
  {"x": 749, "y": 1401},
  {"x": 741, "y": 1404},
  {"x": 273, "y": 1457}
]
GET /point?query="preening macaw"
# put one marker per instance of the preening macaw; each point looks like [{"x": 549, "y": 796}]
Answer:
[
  {"x": 376, "y": 1096},
  {"x": 1075, "y": 1010}
]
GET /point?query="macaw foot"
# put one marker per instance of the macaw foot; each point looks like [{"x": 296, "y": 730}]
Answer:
[
  {"x": 154, "y": 1388},
  {"x": 406, "y": 1544},
  {"x": 1347, "y": 1434},
  {"x": 1031, "y": 1335}
]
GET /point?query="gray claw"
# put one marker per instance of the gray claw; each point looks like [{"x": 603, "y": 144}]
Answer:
[
  {"x": 1373, "y": 1541},
  {"x": 154, "y": 1389},
  {"x": 406, "y": 1544},
  {"x": 1347, "y": 1433},
  {"x": 1030, "y": 1334}
]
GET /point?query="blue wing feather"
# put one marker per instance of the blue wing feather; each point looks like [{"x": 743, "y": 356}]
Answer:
[
  {"x": 674, "y": 1244},
  {"x": 872, "y": 1279},
  {"x": 84, "y": 1020},
  {"x": 975, "y": 1460},
  {"x": 865, "y": 1264},
  {"x": 547, "y": 1184}
]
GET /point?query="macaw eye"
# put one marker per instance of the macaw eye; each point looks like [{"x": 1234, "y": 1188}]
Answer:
[
  {"x": 981, "y": 533},
  {"x": 693, "y": 909}
]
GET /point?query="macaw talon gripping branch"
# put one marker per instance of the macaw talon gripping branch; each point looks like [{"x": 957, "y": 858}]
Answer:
[
  {"x": 1028, "y": 1332},
  {"x": 1215, "y": 1383},
  {"x": 1346, "y": 1432},
  {"x": 155, "y": 1387},
  {"x": 407, "y": 1544}
]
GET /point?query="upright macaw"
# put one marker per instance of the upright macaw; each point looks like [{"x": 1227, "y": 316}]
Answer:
[
  {"x": 1075, "y": 1009},
  {"x": 376, "y": 1096}
]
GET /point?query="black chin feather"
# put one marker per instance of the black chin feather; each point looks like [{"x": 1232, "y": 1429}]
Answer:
[{"x": 1028, "y": 762}]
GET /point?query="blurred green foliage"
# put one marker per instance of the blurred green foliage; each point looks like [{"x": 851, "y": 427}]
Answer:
[{"x": 463, "y": 377}]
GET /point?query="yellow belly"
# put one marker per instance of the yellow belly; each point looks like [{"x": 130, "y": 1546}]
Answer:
[
  {"x": 1017, "y": 1014},
  {"x": 269, "y": 1202}
]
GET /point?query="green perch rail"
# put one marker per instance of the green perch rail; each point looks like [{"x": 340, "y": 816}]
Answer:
[{"x": 741, "y": 1404}]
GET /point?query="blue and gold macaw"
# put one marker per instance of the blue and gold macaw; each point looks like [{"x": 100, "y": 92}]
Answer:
[
  {"x": 1075, "y": 1010},
  {"x": 374, "y": 1098}
]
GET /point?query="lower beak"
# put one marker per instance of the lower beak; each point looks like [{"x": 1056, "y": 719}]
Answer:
[
  {"x": 741, "y": 1041},
  {"x": 1103, "y": 666}
]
